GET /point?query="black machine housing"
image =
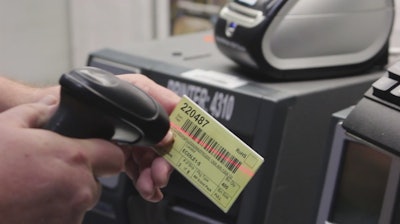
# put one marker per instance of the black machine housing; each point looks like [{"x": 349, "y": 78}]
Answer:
[{"x": 285, "y": 122}]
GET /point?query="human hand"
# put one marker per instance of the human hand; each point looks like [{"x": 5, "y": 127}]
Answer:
[
  {"x": 48, "y": 178},
  {"x": 148, "y": 171}
]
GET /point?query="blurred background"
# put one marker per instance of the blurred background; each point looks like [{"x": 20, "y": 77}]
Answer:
[{"x": 40, "y": 40}]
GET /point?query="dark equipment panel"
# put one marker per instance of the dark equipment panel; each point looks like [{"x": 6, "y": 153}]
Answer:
[{"x": 285, "y": 122}]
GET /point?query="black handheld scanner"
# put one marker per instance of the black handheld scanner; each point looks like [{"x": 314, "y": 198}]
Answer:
[{"x": 96, "y": 104}]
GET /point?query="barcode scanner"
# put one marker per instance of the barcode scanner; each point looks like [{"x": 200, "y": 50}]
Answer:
[{"x": 96, "y": 104}]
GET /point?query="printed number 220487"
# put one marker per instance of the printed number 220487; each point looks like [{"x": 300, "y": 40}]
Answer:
[{"x": 195, "y": 115}]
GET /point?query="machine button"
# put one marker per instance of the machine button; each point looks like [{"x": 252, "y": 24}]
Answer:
[
  {"x": 396, "y": 91},
  {"x": 382, "y": 86},
  {"x": 395, "y": 96},
  {"x": 394, "y": 71}
]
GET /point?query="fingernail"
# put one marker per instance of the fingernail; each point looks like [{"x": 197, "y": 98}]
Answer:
[
  {"x": 166, "y": 144},
  {"x": 48, "y": 100},
  {"x": 169, "y": 138}
]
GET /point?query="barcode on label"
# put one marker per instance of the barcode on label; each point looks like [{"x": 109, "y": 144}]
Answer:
[{"x": 212, "y": 146}]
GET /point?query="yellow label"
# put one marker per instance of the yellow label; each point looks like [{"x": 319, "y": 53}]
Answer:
[{"x": 207, "y": 154}]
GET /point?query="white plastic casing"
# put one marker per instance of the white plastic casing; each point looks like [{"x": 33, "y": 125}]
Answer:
[{"x": 325, "y": 33}]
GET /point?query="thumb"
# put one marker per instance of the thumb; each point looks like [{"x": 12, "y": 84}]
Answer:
[{"x": 32, "y": 115}]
